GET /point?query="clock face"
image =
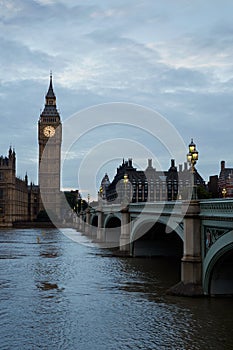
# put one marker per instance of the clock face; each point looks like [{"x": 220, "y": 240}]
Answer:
[{"x": 49, "y": 131}]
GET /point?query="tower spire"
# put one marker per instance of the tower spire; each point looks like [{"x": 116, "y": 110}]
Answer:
[
  {"x": 50, "y": 98},
  {"x": 50, "y": 93}
]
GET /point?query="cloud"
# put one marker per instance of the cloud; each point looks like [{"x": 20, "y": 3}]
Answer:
[{"x": 167, "y": 55}]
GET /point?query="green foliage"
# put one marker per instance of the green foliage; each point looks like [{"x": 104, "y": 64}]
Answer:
[
  {"x": 75, "y": 201},
  {"x": 202, "y": 193}
]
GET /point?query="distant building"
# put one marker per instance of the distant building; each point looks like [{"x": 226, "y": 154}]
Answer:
[
  {"x": 225, "y": 181},
  {"x": 33, "y": 202},
  {"x": 213, "y": 186},
  {"x": 149, "y": 185},
  {"x": 18, "y": 200},
  {"x": 104, "y": 186}
]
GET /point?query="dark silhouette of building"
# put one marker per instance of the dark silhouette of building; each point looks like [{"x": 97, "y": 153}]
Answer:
[
  {"x": 213, "y": 186},
  {"x": 150, "y": 185}
]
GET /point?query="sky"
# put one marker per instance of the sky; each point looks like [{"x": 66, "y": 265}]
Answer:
[{"x": 173, "y": 57}]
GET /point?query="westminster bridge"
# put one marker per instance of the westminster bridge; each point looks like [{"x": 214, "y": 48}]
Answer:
[{"x": 200, "y": 232}]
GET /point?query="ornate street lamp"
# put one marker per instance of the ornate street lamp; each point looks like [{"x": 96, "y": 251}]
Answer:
[
  {"x": 192, "y": 158},
  {"x": 100, "y": 192},
  {"x": 125, "y": 181},
  {"x": 224, "y": 192}
]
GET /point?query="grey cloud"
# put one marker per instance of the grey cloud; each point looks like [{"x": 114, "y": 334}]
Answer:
[{"x": 135, "y": 59}]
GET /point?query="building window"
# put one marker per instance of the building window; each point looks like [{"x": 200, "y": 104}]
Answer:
[
  {"x": 1, "y": 193},
  {"x": 1, "y": 176},
  {"x": 1, "y": 210}
]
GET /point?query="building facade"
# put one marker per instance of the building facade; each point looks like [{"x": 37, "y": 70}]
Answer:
[
  {"x": 225, "y": 181},
  {"x": 13, "y": 192},
  {"x": 19, "y": 202}
]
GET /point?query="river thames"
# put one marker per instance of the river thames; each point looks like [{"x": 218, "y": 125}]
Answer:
[{"x": 56, "y": 293}]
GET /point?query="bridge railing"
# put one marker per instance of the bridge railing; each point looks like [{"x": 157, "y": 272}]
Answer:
[
  {"x": 217, "y": 208},
  {"x": 210, "y": 208},
  {"x": 162, "y": 207}
]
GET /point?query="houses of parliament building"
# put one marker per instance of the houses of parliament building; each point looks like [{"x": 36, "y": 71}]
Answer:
[{"x": 19, "y": 200}]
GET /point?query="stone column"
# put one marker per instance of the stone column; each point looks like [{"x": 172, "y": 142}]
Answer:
[
  {"x": 77, "y": 222},
  {"x": 81, "y": 222},
  {"x": 125, "y": 231},
  {"x": 191, "y": 263},
  {"x": 100, "y": 229},
  {"x": 88, "y": 220}
]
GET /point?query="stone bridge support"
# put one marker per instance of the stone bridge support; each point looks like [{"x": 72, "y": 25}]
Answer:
[
  {"x": 125, "y": 231},
  {"x": 100, "y": 229},
  {"x": 88, "y": 221},
  {"x": 191, "y": 263},
  {"x": 81, "y": 222}
]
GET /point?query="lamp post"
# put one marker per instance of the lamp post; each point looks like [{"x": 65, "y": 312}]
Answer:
[
  {"x": 192, "y": 158},
  {"x": 125, "y": 180},
  {"x": 224, "y": 192},
  {"x": 100, "y": 193}
]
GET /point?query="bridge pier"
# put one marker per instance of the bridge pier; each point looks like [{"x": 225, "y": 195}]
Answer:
[
  {"x": 81, "y": 222},
  {"x": 191, "y": 263},
  {"x": 100, "y": 230},
  {"x": 125, "y": 231},
  {"x": 87, "y": 223}
]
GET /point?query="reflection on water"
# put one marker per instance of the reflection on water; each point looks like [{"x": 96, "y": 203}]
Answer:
[
  {"x": 47, "y": 286},
  {"x": 58, "y": 294}
]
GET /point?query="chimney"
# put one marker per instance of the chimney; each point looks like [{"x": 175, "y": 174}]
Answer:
[
  {"x": 172, "y": 163},
  {"x": 130, "y": 162},
  {"x": 149, "y": 163},
  {"x": 180, "y": 168},
  {"x": 185, "y": 166},
  {"x": 222, "y": 164}
]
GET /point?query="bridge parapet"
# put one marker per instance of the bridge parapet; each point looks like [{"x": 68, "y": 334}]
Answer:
[
  {"x": 157, "y": 208},
  {"x": 111, "y": 208},
  {"x": 219, "y": 208},
  {"x": 165, "y": 208}
]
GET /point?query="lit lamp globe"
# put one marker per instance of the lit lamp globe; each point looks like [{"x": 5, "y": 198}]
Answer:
[{"x": 192, "y": 156}]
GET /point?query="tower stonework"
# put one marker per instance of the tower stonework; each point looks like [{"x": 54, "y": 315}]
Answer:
[{"x": 50, "y": 139}]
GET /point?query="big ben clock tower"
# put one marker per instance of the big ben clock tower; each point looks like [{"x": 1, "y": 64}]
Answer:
[{"x": 50, "y": 138}]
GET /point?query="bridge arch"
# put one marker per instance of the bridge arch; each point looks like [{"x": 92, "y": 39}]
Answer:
[
  {"x": 218, "y": 266},
  {"x": 94, "y": 220},
  {"x": 151, "y": 236},
  {"x": 110, "y": 217},
  {"x": 112, "y": 226},
  {"x": 94, "y": 225}
]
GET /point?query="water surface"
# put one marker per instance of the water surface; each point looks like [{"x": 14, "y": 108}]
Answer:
[{"x": 59, "y": 294}]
